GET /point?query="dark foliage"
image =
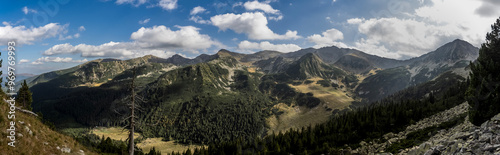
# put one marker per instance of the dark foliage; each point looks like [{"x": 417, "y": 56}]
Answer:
[{"x": 484, "y": 89}]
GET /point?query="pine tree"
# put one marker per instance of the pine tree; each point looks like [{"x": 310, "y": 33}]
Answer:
[
  {"x": 24, "y": 96},
  {"x": 483, "y": 92}
]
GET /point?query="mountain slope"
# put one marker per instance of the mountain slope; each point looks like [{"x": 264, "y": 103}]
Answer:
[
  {"x": 34, "y": 137},
  {"x": 454, "y": 56}
]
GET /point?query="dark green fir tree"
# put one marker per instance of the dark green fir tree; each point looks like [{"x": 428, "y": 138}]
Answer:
[
  {"x": 24, "y": 96},
  {"x": 484, "y": 88}
]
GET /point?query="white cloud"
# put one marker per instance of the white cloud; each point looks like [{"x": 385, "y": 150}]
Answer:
[
  {"x": 120, "y": 50},
  {"x": 164, "y": 4},
  {"x": 252, "y": 24},
  {"x": 81, "y": 28},
  {"x": 265, "y": 45},
  {"x": 43, "y": 60},
  {"x": 263, "y": 6},
  {"x": 256, "y": 5},
  {"x": 489, "y": 8},
  {"x": 199, "y": 20},
  {"x": 328, "y": 38},
  {"x": 61, "y": 37},
  {"x": 407, "y": 37},
  {"x": 144, "y": 21},
  {"x": 355, "y": 20},
  {"x": 77, "y": 35},
  {"x": 23, "y": 35},
  {"x": 135, "y": 3},
  {"x": 158, "y": 40},
  {"x": 186, "y": 37},
  {"x": 23, "y": 61},
  {"x": 27, "y": 10},
  {"x": 429, "y": 27},
  {"x": 168, "y": 4},
  {"x": 197, "y": 10}
]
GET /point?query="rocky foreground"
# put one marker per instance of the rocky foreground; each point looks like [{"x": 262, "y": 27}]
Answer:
[{"x": 464, "y": 138}]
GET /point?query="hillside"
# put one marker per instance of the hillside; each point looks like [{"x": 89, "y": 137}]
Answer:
[{"x": 34, "y": 137}]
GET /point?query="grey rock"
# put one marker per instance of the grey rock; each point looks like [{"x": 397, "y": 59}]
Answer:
[
  {"x": 485, "y": 137},
  {"x": 65, "y": 150},
  {"x": 432, "y": 151}
]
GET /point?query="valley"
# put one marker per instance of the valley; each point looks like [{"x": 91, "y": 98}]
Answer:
[{"x": 214, "y": 98}]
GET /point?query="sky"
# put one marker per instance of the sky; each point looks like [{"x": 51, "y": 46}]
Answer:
[{"x": 57, "y": 34}]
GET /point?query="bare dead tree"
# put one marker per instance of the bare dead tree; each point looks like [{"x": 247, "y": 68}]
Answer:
[{"x": 132, "y": 115}]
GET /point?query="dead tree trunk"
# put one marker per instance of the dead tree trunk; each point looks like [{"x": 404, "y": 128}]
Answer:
[{"x": 132, "y": 117}]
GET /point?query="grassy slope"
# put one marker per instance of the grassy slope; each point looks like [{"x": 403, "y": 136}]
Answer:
[
  {"x": 301, "y": 116},
  {"x": 42, "y": 141}
]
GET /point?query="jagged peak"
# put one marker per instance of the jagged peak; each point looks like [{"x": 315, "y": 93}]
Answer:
[{"x": 177, "y": 56}]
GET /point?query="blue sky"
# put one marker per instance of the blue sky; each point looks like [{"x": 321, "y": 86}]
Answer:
[{"x": 56, "y": 34}]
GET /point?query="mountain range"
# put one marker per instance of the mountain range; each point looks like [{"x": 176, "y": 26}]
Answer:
[{"x": 229, "y": 95}]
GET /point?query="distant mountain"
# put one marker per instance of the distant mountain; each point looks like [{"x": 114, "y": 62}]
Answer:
[
  {"x": 451, "y": 56},
  {"x": 226, "y": 95},
  {"x": 333, "y": 54},
  {"x": 22, "y": 76}
]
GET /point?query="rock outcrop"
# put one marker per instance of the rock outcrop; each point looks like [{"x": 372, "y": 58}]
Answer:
[{"x": 464, "y": 139}]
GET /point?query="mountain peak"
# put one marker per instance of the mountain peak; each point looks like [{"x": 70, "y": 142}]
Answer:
[
  {"x": 455, "y": 50},
  {"x": 226, "y": 53},
  {"x": 177, "y": 56}
]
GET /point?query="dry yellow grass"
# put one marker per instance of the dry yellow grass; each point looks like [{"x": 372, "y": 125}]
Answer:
[
  {"x": 43, "y": 140},
  {"x": 147, "y": 144},
  {"x": 91, "y": 84},
  {"x": 115, "y": 133},
  {"x": 331, "y": 97},
  {"x": 251, "y": 69},
  {"x": 164, "y": 147}
]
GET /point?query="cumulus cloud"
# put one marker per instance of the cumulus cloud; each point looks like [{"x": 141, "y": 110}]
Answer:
[
  {"x": 157, "y": 40},
  {"x": 256, "y": 5},
  {"x": 199, "y": 20},
  {"x": 355, "y": 20},
  {"x": 23, "y": 61},
  {"x": 168, "y": 4},
  {"x": 489, "y": 8},
  {"x": 81, "y": 28},
  {"x": 24, "y": 35},
  {"x": 407, "y": 37},
  {"x": 186, "y": 37},
  {"x": 27, "y": 10},
  {"x": 429, "y": 27},
  {"x": 327, "y": 38},
  {"x": 43, "y": 60},
  {"x": 135, "y": 3},
  {"x": 197, "y": 10},
  {"x": 263, "y": 6},
  {"x": 254, "y": 24},
  {"x": 265, "y": 45},
  {"x": 144, "y": 21},
  {"x": 164, "y": 4}
]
